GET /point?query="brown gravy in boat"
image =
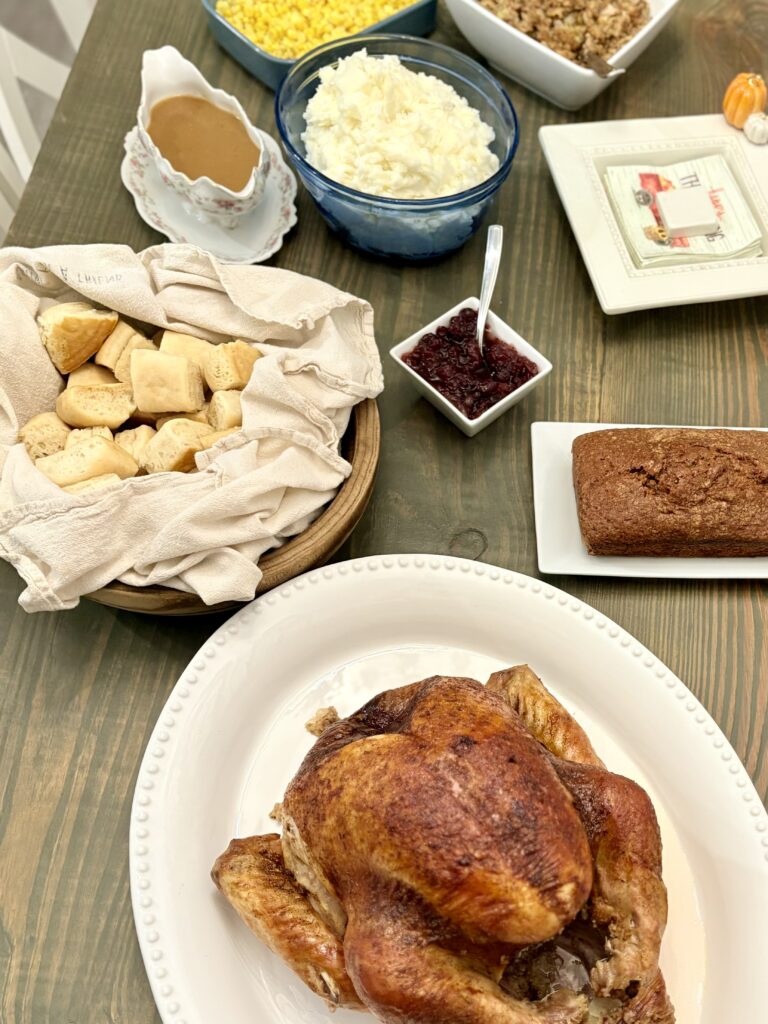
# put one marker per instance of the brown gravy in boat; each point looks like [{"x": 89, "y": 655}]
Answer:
[{"x": 198, "y": 138}]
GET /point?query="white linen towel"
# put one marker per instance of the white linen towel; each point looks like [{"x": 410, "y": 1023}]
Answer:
[{"x": 202, "y": 532}]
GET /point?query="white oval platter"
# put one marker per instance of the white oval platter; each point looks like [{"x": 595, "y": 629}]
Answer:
[{"x": 232, "y": 735}]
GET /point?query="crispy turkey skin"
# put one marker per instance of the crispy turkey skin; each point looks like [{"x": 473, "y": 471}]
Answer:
[{"x": 442, "y": 838}]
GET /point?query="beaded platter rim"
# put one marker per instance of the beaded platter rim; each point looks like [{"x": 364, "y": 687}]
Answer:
[{"x": 149, "y": 928}]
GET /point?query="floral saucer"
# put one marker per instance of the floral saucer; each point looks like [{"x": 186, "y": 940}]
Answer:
[{"x": 257, "y": 235}]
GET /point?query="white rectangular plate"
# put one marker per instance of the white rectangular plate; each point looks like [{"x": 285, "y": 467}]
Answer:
[
  {"x": 558, "y": 537},
  {"x": 578, "y": 154}
]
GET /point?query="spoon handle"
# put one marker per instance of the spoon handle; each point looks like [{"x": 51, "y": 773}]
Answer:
[
  {"x": 601, "y": 66},
  {"x": 490, "y": 273}
]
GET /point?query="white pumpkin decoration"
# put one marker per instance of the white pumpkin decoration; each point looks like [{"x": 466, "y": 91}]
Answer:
[{"x": 756, "y": 129}]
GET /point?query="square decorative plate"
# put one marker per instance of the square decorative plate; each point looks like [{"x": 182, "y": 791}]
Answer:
[
  {"x": 558, "y": 537},
  {"x": 578, "y": 155}
]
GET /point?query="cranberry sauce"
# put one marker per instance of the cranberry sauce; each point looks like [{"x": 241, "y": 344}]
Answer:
[{"x": 451, "y": 361}]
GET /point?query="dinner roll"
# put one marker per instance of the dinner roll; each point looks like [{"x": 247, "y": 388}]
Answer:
[
  {"x": 113, "y": 347},
  {"x": 146, "y": 418},
  {"x": 94, "y": 484},
  {"x": 96, "y": 405},
  {"x": 135, "y": 440},
  {"x": 123, "y": 364},
  {"x": 77, "y": 436},
  {"x": 94, "y": 456},
  {"x": 225, "y": 410},
  {"x": 89, "y": 373},
  {"x": 209, "y": 440},
  {"x": 199, "y": 417},
  {"x": 175, "y": 344},
  {"x": 73, "y": 331},
  {"x": 229, "y": 366},
  {"x": 165, "y": 383},
  {"x": 173, "y": 447},
  {"x": 44, "y": 434}
]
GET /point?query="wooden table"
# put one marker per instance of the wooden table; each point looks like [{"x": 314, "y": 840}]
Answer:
[{"x": 80, "y": 691}]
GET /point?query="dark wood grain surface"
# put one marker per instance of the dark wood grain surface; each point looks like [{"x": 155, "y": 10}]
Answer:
[{"x": 80, "y": 691}]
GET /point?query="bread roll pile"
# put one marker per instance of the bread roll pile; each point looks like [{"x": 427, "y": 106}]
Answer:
[{"x": 131, "y": 405}]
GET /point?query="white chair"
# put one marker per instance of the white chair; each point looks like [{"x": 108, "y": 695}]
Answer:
[
  {"x": 11, "y": 187},
  {"x": 20, "y": 62}
]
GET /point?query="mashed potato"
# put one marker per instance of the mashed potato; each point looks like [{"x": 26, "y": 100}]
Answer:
[{"x": 379, "y": 128}]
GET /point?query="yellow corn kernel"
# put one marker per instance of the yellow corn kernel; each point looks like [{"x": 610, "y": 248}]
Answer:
[{"x": 289, "y": 28}]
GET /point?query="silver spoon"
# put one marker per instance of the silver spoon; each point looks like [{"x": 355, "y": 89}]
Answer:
[{"x": 490, "y": 273}]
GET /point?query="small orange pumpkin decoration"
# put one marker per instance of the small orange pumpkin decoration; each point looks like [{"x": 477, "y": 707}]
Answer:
[{"x": 744, "y": 96}]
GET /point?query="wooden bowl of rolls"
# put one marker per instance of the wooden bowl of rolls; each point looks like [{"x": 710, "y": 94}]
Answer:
[{"x": 134, "y": 404}]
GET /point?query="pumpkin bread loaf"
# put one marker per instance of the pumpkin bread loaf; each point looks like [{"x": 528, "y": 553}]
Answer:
[{"x": 672, "y": 492}]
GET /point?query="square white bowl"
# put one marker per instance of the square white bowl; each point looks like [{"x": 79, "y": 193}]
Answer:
[
  {"x": 534, "y": 65},
  {"x": 503, "y": 331}
]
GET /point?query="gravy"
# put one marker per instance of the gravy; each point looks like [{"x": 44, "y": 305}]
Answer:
[{"x": 198, "y": 138}]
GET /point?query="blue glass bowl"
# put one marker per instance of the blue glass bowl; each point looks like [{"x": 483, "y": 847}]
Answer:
[{"x": 406, "y": 229}]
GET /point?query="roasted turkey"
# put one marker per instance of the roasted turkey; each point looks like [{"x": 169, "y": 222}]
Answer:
[{"x": 454, "y": 853}]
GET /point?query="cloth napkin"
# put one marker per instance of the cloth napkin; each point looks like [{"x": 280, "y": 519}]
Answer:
[{"x": 202, "y": 532}]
